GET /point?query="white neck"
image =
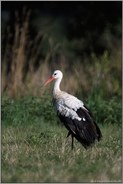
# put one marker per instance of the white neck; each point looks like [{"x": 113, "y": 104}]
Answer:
[{"x": 57, "y": 85}]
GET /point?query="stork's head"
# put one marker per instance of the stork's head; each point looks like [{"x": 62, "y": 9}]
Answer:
[{"x": 57, "y": 74}]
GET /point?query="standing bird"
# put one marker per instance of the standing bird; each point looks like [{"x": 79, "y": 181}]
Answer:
[{"x": 74, "y": 114}]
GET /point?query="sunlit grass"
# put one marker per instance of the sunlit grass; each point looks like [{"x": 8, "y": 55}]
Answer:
[
  {"x": 35, "y": 147},
  {"x": 43, "y": 154}
]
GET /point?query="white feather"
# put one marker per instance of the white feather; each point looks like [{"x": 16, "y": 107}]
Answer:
[
  {"x": 65, "y": 111},
  {"x": 83, "y": 119},
  {"x": 70, "y": 101},
  {"x": 67, "y": 105}
]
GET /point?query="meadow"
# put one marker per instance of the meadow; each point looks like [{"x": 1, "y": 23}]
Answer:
[
  {"x": 35, "y": 147},
  {"x": 36, "y": 41}
]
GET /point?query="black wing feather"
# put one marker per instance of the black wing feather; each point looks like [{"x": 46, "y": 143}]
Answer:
[
  {"x": 90, "y": 123},
  {"x": 85, "y": 131}
]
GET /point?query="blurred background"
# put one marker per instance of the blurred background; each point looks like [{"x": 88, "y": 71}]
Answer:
[{"x": 83, "y": 39}]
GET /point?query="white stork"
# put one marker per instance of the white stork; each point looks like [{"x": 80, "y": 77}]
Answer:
[{"x": 74, "y": 114}]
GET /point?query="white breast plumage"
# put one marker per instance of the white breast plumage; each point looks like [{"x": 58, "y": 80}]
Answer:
[
  {"x": 65, "y": 111},
  {"x": 67, "y": 105}
]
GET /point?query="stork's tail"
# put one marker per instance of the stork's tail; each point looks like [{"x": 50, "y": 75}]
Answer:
[{"x": 92, "y": 137}]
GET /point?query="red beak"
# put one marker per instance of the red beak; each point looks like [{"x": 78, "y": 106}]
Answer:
[{"x": 49, "y": 80}]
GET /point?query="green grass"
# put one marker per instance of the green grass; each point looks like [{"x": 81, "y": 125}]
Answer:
[{"x": 35, "y": 147}]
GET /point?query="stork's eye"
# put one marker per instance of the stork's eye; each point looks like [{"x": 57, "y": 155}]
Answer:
[{"x": 55, "y": 73}]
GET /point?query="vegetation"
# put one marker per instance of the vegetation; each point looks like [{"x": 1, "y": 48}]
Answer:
[
  {"x": 38, "y": 37},
  {"x": 35, "y": 44},
  {"x": 35, "y": 147}
]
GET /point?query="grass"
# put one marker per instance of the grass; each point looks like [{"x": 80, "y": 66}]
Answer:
[{"x": 35, "y": 148}]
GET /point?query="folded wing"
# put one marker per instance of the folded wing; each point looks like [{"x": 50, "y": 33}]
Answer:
[{"x": 79, "y": 121}]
